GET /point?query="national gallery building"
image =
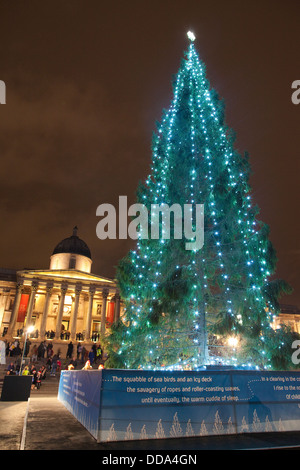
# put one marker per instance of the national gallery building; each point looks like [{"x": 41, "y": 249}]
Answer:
[
  {"x": 64, "y": 303},
  {"x": 68, "y": 303}
]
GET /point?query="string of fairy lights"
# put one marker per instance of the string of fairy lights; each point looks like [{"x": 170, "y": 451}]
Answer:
[{"x": 216, "y": 153}]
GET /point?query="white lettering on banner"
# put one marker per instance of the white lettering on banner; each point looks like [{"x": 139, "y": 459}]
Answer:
[{"x": 206, "y": 388}]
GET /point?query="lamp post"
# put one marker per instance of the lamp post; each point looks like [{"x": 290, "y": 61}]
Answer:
[
  {"x": 28, "y": 330},
  {"x": 233, "y": 341}
]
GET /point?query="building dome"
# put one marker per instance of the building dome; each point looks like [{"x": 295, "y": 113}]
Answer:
[
  {"x": 73, "y": 244},
  {"x": 72, "y": 253}
]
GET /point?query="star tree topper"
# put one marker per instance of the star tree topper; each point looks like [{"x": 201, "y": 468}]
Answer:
[{"x": 191, "y": 36}]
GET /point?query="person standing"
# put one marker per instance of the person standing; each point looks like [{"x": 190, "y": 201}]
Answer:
[
  {"x": 54, "y": 365},
  {"x": 70, "y": 350},
  {"x": 33, "y": 354},
  {"x": 91, "y": 356},
  {"x": 79, "y": 350},
  {"x": 83, "y": 351}
]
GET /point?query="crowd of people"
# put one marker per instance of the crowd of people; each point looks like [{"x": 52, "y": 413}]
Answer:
[
  {"x": 44, "y": 361},
  {"x": 38, "y": 373}
]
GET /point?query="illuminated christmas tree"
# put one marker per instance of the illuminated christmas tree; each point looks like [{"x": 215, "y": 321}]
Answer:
[{"x": 177, "y": 298}]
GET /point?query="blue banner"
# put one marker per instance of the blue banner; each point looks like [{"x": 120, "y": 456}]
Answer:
[
  {"x": 80, "y": 391},
  {"x": 135, "y": 404}
]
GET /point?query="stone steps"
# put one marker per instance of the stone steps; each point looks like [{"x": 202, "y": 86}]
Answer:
[{"x": 49, "y": 386}]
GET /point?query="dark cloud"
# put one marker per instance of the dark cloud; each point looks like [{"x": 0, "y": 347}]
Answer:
[{"x": 86, "y": 82}]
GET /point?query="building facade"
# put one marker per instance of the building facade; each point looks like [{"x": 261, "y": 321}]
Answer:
[
  {"x": 67, "y": 302},
  {"x": 63, "y": 303},
  {"x": 289, "y": 316}
]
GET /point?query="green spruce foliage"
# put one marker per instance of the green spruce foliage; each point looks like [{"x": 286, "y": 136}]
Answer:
[{"x": 177, "y": 300}]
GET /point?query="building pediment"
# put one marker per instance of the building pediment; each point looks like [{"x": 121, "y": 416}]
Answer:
[{"x": 70, "y": 276}]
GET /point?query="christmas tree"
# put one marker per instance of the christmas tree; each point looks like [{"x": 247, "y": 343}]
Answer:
[{"x": 182, "y": 304}]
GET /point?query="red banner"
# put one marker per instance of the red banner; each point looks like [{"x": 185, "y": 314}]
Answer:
[
  {"x": 110, "y": 312},
  {"x": 23, "y": 307}
]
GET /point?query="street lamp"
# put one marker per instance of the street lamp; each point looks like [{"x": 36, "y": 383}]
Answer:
[
  {"x": 233, "y": 341},
  {"x": 27, "y": 331}
]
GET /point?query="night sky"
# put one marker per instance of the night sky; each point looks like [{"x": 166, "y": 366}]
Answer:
[{"x": 86, "y": 80}]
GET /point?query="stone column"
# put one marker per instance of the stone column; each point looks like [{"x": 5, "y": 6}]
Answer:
[
  {"x": 34, "y": 288},
  {"x": 64, "y": 288},
  {"x": 117, "y": 308},
  {"x": 85, "y": 309},
  {"x": 103, "y": 312},
  {"x": 4, "y": 297},
  {"x": 89, "y": 314},
  {"x": 15, "y": 310},
  {"x": 78, "y": 288},
  {"x": 49, "y": 289}
]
